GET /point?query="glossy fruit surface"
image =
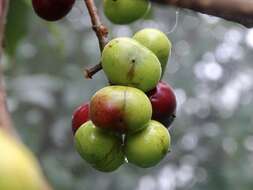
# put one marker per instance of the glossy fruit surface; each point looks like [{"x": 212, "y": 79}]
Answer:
[
  {"x": 149, "y": 146},
  {"x": 101, "y": 149},
  {"x": 80, "y": 116},
  {"x": 163, "y": 102},
  {"x": 52, "y": 10},
  {"x": 120, "y": 109},
  {"x": 125, "y": 11},
  {"x": 127, "y": 62},
  {"x": 157, "y": 42},
  {"x": 18, "y": 167}
]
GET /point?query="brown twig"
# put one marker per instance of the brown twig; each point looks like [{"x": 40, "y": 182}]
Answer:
[
  {"x": 88, "y": 73},
  {"x": 101, "y": 32},
  {"x": 240, "y": 11}
]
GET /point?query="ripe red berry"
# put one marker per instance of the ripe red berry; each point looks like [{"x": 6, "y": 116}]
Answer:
[
  {"x": 163, "y": 102},
  {"x": 80, "y": 116},
  {"x": 52, "y": 10}
]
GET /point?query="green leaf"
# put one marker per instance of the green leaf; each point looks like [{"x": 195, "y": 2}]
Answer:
[{"x": 17, "y": 25}]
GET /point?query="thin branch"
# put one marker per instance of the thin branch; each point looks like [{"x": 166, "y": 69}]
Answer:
[
  {"x": 101, "y": 32},
  {"x": 240, "y": 11},
  {"x": 88, "y": 73}
]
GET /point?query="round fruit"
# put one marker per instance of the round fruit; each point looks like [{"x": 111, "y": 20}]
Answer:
[
  {"x": 18, "y": 167},
  {"x": 149, "y": 146},
  {"x": 127, "y": 62},
  {"x": 120, "y": 108},
  {"x": 80, "y": 116},
  {"x": 52, "y": 10},
  {"x": 101, "y": 149},
  {"x": 157, "y": 42},
  {"x": 163, "y": 102},
  {"x": 125, "y": 11}
]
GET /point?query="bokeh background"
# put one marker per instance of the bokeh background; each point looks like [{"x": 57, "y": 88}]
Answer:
[{"x": 210, "y": 69}]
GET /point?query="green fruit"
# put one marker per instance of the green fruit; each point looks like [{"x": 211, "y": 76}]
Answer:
[
  {"x": 125, "y": 11},
  {"x": 149, "y": 146},
  {"x": 19, "y": 169},
  {"x": 120, "y": 108},
  {"x": 157, "y": 42},
  {"x": 101, "y": 149},
  {"x": 127, "y": 62}
]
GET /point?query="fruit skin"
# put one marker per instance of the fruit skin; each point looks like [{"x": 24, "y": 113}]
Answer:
[
  {"x": 120, "y": 109},
  {"x": 101, "y": 149},
  {"x": 125, "y": 11},
  {"x": 52, "y": 10},
  {"x": 126, "y": 62},
  {"x": 157, "y": 42},
  {"x": 80, "y": 116},
  {"x": 163, "y": 102},
  {"x": 18, "y": 167},
  {"x": 149, "y": 146}
]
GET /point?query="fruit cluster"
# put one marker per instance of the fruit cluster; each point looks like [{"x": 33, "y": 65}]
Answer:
[
  {"x": 126, "y": 120},
  {"x": 120, "y": 120}
]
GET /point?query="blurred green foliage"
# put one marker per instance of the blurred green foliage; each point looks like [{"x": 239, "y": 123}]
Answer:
[
  {"x": 17, "y": 18},
  {"x": 210, "y": 70}
]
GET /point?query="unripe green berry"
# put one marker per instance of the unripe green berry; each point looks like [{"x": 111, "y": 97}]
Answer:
[
  {"x": 149, "y": 146},
  {"x": 157, "y": 42},
  {"x": 127, "y": 62},
  {"x": 101, "y": 149},
  {"x": 125, "y": 11}
]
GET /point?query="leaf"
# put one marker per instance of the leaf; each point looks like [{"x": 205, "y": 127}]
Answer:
[{"x": 17, "y": 25}]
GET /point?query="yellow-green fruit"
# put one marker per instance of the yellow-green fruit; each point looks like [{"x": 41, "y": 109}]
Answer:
[
  {"x": 19, "y": 169},
  {"x": 157, "y": 42},
  {"x": 126, "y": 62},
  {"x": 101, "y": 149},
  {"x": 125, "y": 11},
  {"x": 149, "y": 146}
]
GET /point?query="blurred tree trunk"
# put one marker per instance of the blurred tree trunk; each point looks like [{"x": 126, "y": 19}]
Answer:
[
  {"x": 240, "y": 11},
  {"x": 5, "y": 121},
  {"x": 5, "y": 118}
]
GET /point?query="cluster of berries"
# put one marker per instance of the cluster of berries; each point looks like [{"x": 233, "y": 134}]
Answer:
[{"x": 128, "y": 120}]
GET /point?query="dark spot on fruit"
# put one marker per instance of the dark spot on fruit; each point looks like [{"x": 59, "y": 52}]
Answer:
[{"x": 131, "y": 71}]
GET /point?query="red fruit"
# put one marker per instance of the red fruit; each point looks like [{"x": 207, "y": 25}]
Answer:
[
  {"x": 163, "y": 102},
  {"x": 80, "y": 116},
  {"x": 52, "y": 10}
]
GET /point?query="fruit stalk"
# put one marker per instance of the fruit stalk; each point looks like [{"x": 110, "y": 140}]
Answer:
[
  {"x": 101, "y": 33},
  {"x": 88, "y": 73},
  {"x": 100, "y": 30}
]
